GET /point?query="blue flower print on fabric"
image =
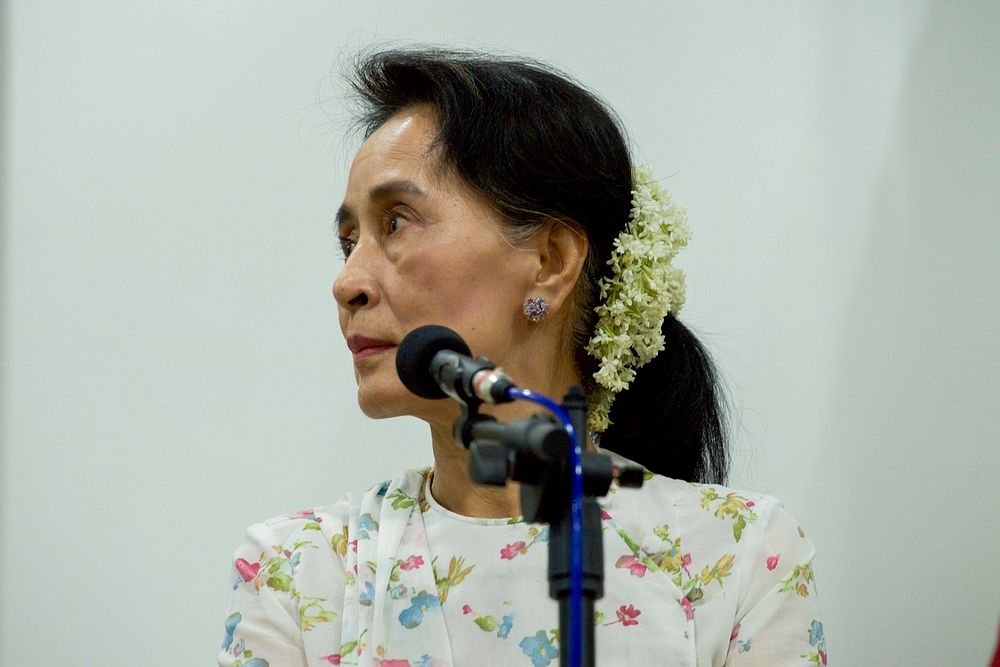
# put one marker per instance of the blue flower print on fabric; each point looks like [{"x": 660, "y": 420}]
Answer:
[
  {"x": 231, "y": 623},
  {"x": 539, "y": 648},
  {"x": 293, "y": 562},
  {"x": 816, "y": 635},
  {"x": 505, "y": 626},
  {"x": 365, "y": 524},
  {"x": 368, "y": 595},
  {"x": 413, "y": 616},
  {"x": 818, "y": 642}
]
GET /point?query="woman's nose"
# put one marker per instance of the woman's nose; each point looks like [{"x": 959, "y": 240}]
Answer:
[{"x": 355, "y": 287}]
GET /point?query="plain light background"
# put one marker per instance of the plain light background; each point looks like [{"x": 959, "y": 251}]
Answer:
[{"x": 172, "y": 368}]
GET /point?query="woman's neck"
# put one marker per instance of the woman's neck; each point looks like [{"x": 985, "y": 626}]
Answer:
[
  {"x": 454, "y": 490},
  {"x": 451, "y": 485}
]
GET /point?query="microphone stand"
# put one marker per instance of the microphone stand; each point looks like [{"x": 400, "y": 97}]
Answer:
[{"x": 536, "y": 453}]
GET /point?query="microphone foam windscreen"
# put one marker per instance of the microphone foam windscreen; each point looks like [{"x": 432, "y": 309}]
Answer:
[{"x": 417, "y": 350}]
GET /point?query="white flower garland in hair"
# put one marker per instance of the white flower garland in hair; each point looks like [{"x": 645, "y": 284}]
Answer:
[{"x": 643, "y": 287}]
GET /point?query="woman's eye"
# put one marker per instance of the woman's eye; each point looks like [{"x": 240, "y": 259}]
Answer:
[
  {"x": 396, "y": 222},
  {"x": 347, "y": 246}
]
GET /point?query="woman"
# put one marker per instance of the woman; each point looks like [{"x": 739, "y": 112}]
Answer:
[{"x": 498, "y": 198}]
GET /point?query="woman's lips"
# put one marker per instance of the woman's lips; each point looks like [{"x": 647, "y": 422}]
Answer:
[
  {"x": 363, "y": 347},
  {"x": 371, "y": 352}
]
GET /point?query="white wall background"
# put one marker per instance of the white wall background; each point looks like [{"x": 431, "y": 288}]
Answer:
[{"x": 172, "y": 370}]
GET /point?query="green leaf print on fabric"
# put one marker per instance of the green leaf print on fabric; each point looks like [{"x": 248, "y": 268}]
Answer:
[
  {"x": 489, "y": 623},
  {"x": 798, "y": 580},
  {"x": 280, "y": 581},
  {"x": 313, "y": 521},
  {"x": 457, "y": 572},
  {"x": 402, "y": 500},
  {"x": 732, "y": 505},
  {"x": 340, "y": 541},
  {"x": 722, "y": 569},
  {"x": 311, "y": 612},
  {"x": 348, "y": 647}
]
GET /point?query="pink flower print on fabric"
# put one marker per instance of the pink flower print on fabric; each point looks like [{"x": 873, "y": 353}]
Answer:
[
  {"x": 685, "y": 561},
  {"x": 333, "y": 658},
  {"x": 772, "y": 561},
  {"x": 247, "y": 570},
  {"x": 412, "y": 563},
  {"x": 633, "y": 564},
  {"x": 627, "y": 615},
  {"x": 688, "y": 608},
  {"x": 535, "y": 535},
  {"x": 510, "y": 551}
]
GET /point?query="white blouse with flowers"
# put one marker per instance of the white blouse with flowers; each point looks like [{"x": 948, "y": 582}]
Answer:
[{"x": 694, "y": 575}]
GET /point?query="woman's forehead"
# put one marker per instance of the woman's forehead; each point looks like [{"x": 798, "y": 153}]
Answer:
[
  {"x": 404, "y": 140},
  {"x": 403, "y": 150}
]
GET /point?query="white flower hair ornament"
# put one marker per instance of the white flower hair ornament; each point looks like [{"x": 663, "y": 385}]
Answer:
[{"x": 642, "y": 289}]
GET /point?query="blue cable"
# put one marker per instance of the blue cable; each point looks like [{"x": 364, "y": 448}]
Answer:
[{"x": 576, "y": 523}]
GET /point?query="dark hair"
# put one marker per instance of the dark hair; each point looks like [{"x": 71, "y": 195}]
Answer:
[{"x": 540, "y": 147}]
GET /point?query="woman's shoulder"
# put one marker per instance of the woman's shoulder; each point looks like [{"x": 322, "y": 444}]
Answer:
[
  {"x": 727, "y": 517},
  {"x": 303, "y": 547},
  {"x": 711, "y": 538}
]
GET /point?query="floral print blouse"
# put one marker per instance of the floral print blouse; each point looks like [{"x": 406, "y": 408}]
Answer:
[{"x": 694, "y": 575}]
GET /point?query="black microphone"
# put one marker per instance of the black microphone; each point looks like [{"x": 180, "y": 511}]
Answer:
[{"x": 434, "y": 362}]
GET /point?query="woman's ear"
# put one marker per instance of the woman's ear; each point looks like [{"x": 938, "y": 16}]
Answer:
[{"x": 562, "y": 250}]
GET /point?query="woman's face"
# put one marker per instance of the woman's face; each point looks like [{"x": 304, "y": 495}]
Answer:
[{"x": 421, "y": 248}]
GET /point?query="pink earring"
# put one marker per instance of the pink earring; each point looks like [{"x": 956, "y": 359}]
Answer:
[{"x": 536, "y": 309}]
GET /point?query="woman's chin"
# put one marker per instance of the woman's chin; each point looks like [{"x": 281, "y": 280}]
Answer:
[
  {"x": 397, "y": 401},
  {"x": 379, "y": 405}
]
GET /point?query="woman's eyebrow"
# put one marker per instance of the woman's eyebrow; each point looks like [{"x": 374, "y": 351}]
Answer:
[
  {"x": 391, "y": 188},
  {"x": 380, "y": 191},
  {"x": 344, "y": 214}
]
